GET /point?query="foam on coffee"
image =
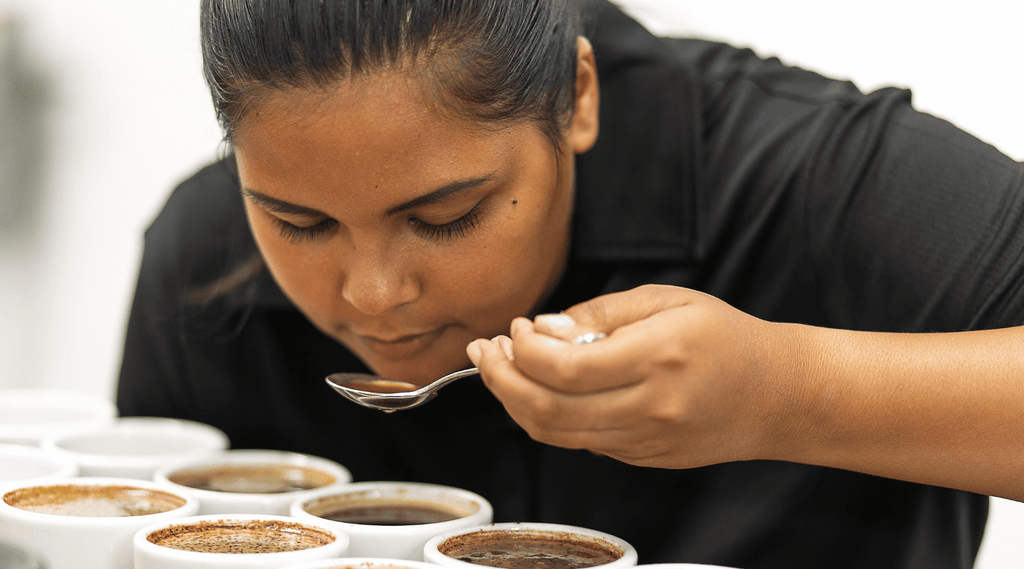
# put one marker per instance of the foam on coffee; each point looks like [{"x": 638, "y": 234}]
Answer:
[
  {"x": 528, "y": 549},
  {"x": 252, "y": 478},
  {"x": 87, "y": 500},
  {"x": 240, "y": 536},
  {"x": 398, "y": 507}
]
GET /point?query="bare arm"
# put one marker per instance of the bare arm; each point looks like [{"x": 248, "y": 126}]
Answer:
[
  {"x": 941, "y": 409},
  {"x": 685, "y": 380}
]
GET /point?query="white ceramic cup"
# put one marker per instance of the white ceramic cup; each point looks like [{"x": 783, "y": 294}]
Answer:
[
  {"x": 17, "y": 557},
  {"x": 507, "y": 534},
  {"x": 254, "y": 541},
  {"x": 363, "y": 563},
  {"x": 403, "y": 541},
  {"x": 134, "y": 447},
  {"x": 91, "y": 526},
  {"x": 23, "y": 463},
  {"x": 249, "y": 481},
  {"x": 681, "y": 566},
  {"x": 27, "y": 416}
]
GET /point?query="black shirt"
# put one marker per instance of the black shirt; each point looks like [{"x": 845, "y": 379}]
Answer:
[{"x": 791, "y": 196}]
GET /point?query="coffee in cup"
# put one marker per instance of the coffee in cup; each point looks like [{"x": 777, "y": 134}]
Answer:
[
  {"x": 84, "y": 500},
  {"x": 87, "y": 523},
  {"x": 529, "y": 546},
  {"x": 252, "y": 481},
  {"x": 239, "y": 540},
  {"x": 394, "y": 519},
  {"x": 266, "y": 478},
  {"x": 240, "y": 536}
]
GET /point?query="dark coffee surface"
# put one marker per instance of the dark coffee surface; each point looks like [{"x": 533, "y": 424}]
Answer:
[
  {"x": 227, "y": 536},
  {"x": 520, "y": 549},
  {"x": 86, "y": 500},
  {"x": 252, "y": 478},
  {"x": 395, "y": 514}
]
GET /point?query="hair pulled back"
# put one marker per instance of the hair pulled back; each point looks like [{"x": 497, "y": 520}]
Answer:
[{"x": 489, "y": 60}]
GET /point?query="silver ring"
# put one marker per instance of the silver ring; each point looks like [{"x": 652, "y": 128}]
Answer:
[{"x": 588, "y": 338}]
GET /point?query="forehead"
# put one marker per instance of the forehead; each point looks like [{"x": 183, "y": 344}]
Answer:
[
  {"x": 369, "y": 132},
  {"x": 357, "y": 111}
]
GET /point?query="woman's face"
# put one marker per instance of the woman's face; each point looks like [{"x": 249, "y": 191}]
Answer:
[{"x": 402, "y": 233}]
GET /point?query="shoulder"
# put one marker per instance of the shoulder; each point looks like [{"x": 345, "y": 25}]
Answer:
[{"x": 201, "y": 233}]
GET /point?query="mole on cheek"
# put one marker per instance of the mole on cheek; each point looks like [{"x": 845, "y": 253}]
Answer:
[{"x": 514, "y": 202}]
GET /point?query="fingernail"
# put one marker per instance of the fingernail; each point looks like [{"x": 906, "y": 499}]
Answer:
[
  {"x": 556, "y": 323},
  {"x": 517, "y": 324},
  {"x": 474, "y": 352},
  {"x": 505, "y": 343}
]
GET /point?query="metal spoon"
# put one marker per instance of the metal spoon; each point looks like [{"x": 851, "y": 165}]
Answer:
[{"x": 389, "y": 395}]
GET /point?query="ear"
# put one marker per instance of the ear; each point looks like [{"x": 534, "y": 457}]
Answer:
[{"x": 584, "y": 126}]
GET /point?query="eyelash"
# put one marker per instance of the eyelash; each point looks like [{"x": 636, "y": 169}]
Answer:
[
  {"x": 297, "y": 234},
  {"x": 451, "y": 230}
]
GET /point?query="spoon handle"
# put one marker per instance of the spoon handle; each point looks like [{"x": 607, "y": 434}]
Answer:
[{"x": 450, "y": 378}]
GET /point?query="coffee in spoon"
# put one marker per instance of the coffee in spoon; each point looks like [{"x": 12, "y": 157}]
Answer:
[{"x": 389, "y": 395}]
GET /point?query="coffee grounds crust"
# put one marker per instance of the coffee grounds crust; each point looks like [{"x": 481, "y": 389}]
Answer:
[
  {"x": 93, "y": 501},
  {"x": 530, "y": 549},
  {"x": 237, "y": 537}
]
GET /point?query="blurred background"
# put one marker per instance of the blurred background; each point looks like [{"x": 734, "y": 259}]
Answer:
[{"x": 103, "y": 110}]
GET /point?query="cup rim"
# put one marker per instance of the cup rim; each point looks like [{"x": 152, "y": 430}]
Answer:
[
  {"x": 211, "y": 440},
  {"x": 628, "y": 558},
  {"x": 190, "y": 507},
  {"x": 362, "y": 563},
  {"x": 341, "y": 474},
  {"x": 485, "y": 510},
  {"x": 140, "y": 541},
  {"x": 675, "y": 565},
  {"x": 101, "y": 411},
  {"x": 66, "y": 467}
]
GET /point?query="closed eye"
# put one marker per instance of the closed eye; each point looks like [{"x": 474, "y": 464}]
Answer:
[
  {"x": 300, "y": 234},
  {"x": 447, "y": 231}
]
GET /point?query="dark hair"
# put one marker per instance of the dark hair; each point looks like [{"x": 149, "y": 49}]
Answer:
[{"x": 490, "y": 60}]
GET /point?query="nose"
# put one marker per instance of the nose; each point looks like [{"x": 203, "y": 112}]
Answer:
[{"x": 377, "y": 281}]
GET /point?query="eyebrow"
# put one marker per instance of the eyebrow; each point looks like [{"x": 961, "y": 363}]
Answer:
[
  {"x": 434, "y": 196},
  {"x": 280, "y": 206},
  {"x": 440, "y": 194}
]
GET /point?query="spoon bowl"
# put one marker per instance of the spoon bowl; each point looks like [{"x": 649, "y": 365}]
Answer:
[{"x": 389, "y": 395}]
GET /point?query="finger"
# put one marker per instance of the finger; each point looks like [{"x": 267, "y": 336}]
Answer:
[
  {"x": 622, "y": 359},
  {"x": 563, "y": 366},
  {"x": 608, "y": 312},
  {"x": 505, "y": 343},
  {"x": 511, "y": 386},
  {"x": 523, "y": 399},
  {"x": 604, "y": 422}
]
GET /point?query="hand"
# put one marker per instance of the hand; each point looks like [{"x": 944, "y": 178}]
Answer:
[{"x": 682, "y": 379}]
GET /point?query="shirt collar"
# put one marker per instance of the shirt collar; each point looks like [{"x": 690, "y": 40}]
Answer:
[{"x": 636, "y": 196}]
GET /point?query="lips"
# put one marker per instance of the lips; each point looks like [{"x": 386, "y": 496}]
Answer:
[{"x": 400, "y": 347}]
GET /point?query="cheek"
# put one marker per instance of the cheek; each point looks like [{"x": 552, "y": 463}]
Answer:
[
  {"x": 302, "y": 272},
  {"x": 504, "y": 271}
]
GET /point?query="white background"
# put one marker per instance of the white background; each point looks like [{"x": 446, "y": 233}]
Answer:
[{"x": 128, "y": 117}]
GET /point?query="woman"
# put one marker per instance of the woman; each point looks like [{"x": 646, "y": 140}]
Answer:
[{"x": 408, "y": 179}]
